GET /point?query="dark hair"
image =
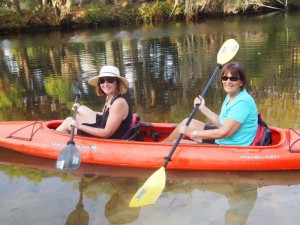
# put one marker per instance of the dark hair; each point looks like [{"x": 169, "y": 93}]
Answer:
[{"x": 238, "y": 70}]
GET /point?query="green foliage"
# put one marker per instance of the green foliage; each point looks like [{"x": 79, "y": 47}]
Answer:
[
  {"x": 179, "y": 10},
  {"x": 4, "y": 101},
  {"x": 125, "y": 13},
  {"x": 92, "y": 16},
  {"x": 9, "y": 96},
  {"x": 33, "y": 175},
  {"x": 128, "y": 15},
  {"x": 157, "y": 12},
  {"x": 102, "y": 16},
  {"x": 163, "y": 8},
  {"x": 56, "y": 86},
  {"x": 5, "y": 3},
  {"x": 217, "y": 6}
]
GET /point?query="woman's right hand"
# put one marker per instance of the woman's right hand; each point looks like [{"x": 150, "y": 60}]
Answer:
[
  {"x": 199, "y": 100},
  {"x": 75, "y": 105}
]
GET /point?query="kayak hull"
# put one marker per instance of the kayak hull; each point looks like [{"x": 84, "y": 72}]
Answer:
[{"x": 39, "y": 138}]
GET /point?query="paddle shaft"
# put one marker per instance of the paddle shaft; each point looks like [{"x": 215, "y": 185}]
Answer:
[
  {"x": 74, "y": 117},
  {"x": 168, "y": 158}
]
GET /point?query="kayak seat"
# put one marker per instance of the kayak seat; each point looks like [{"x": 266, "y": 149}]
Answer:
[
  {"x": 263, "y": 135},
  {"x": 134, "y": 133},
  {"x": 154, "y": 132},
  {"x": 135, "y": 119}
]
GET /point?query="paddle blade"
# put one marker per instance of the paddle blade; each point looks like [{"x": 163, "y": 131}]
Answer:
[
  {"x": 151, "y": 190},
  {"x": 69, "y": 158},
  {"x": 227, "y": 51}
]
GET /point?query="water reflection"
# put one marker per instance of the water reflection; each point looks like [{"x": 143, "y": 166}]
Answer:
[
  {"x": 241, "y": 199},
  {"x": 117, "y": 210},
  {"x": 193, "y": 196},
  {"x": 79, "y": 215},
  {"x": 166, "y": 66}
]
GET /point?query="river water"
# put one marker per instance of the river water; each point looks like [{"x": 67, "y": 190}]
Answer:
[{"x": 167, "y": 66}]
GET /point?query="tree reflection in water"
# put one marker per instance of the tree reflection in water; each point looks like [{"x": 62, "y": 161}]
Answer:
[{"x": 106, "y": 192}]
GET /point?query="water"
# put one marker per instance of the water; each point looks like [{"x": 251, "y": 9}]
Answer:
[{"x": 167, "y": 66}]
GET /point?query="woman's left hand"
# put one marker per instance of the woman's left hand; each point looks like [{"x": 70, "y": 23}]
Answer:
[
  {"x": 77, "y": 105},
  {"x": 183, "y": 129},
  {"x": 199, "y": 100},
  {"x": 75, "y": 123}
]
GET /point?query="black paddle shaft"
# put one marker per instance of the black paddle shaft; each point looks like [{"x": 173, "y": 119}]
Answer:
[
  {"x": 72, "y": 127},
  {"x": 77, "y": 96},
  {"x": 168, "y": 158}
]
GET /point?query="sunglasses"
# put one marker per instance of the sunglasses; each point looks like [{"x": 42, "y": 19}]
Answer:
[
  {"x": 225, "y": 78},
  {"x": 109, "y": 80}
]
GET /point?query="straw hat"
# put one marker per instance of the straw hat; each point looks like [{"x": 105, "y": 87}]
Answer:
[{"x": 109, "y": 71}]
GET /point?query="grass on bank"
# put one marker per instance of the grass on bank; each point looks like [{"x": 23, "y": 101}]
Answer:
[{"x": 101, "y": 15}]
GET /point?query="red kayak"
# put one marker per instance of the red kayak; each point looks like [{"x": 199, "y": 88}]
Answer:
[{"x": 39, "y": 138}]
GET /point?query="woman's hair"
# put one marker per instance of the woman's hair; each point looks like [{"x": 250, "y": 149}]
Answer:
[
  {"x": 120, "y": 89},
  {"x": 237, "y": 70}
]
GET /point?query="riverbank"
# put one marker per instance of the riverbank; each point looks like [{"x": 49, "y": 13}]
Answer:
[{"x": 103, "y": 15}]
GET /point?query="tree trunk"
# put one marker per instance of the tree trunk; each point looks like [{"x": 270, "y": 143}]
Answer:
[
  {"x": 62, "y": 9},
  {"x": 16, "y": 5},
  {"x": 44, "y": 4}
]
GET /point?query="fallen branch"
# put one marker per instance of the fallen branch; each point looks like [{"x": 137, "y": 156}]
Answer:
[{"x": 267, "y": 6}]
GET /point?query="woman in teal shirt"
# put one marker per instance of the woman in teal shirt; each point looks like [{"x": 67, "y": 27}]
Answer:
[{"x": 237, "y": 122}]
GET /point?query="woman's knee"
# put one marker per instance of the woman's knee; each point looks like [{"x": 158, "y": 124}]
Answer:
[
  {"x": 184, "y": 121},
  {"x": 67, "y": 121},
  {"x": 83, "y": 109},
  {"x": 86, "y": 115}
]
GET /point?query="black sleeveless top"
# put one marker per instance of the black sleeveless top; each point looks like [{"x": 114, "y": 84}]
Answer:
[{"x": 102, "y": 119}]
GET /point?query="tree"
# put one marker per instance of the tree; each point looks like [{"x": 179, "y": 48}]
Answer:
[
  {"x": 62, "y": 7},
  {"x": 16, "y": 5}
]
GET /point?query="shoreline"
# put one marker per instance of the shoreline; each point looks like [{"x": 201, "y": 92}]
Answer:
[{"x": 106, "y": 15}]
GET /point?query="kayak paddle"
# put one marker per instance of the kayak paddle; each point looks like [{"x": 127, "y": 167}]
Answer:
[
  {"x": 69, "y": 157},
  {"x": 153, "y": 187}
]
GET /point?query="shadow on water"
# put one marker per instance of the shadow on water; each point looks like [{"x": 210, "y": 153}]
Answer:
[
  {"x": 239, "y": 190},
  {"x": 79, "y": 215}
]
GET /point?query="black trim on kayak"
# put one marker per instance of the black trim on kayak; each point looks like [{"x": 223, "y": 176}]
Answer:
[
  {"x": 33, "y": 131},
  {"x": 292, "y": 144}
]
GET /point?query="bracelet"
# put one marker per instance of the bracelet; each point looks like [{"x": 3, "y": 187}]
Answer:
[{"x": 195, "y": 133}]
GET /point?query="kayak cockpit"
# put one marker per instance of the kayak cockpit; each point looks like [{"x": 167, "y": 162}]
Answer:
[
  {"x": 146, "y": 132},
  {"x": 156, "y": 132}
]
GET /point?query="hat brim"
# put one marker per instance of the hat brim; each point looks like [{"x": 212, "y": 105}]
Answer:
[{"x": 94, "y": 81}]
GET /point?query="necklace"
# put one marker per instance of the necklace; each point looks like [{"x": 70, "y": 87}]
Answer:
[{"x": 108, "y": 105}]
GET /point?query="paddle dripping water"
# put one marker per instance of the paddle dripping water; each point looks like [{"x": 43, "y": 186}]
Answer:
[{"x": 153, "y": 187}]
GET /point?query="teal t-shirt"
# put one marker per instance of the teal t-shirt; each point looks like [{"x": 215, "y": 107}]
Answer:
[{"x": 242, "y": 109}]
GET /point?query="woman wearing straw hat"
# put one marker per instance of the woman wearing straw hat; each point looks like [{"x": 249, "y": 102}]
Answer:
[{"x": 116, "y": 117}]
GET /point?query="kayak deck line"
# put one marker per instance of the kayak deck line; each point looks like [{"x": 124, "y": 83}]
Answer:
[
  {"x": 296, "y": 133},
  {"x": 33, "y": 131}
]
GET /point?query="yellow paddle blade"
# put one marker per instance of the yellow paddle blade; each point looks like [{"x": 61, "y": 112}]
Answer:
[
  {"x": 151, "y": 190},
  {"x": 227, "y": 51}
]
